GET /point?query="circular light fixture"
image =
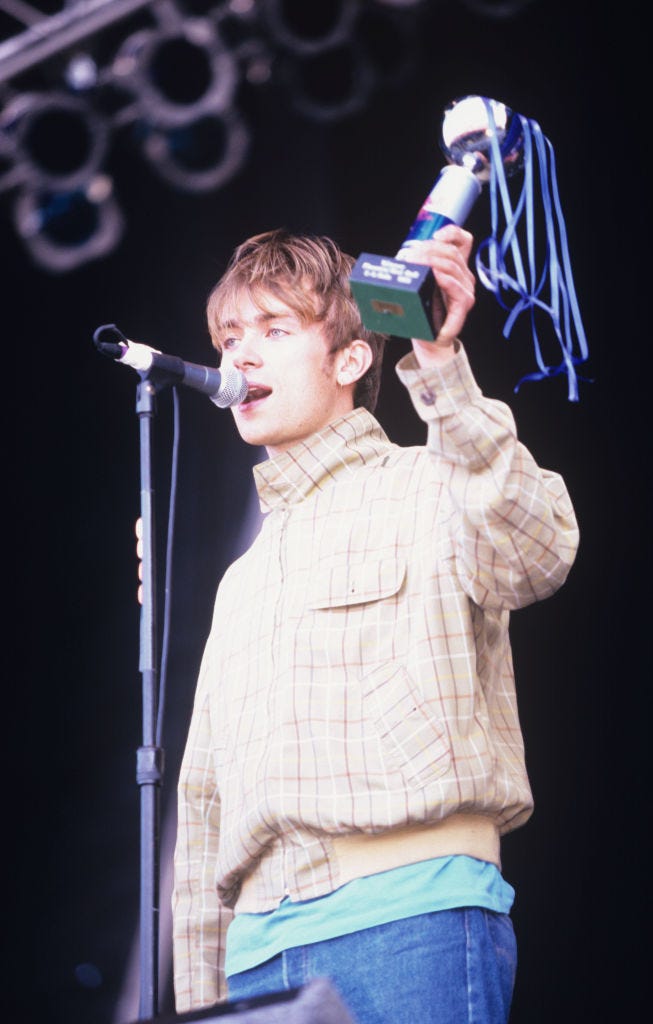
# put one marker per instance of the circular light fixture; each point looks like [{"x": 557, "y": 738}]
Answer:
[
  {"x": 59, "y": 141},
  {"x": 177, "y": 75},
  {"x": 200, "y": 156},
  {"x": 307, "y": 28},
  {"x": 330, "y": 85},
  {"x": 64, "y": 230}
]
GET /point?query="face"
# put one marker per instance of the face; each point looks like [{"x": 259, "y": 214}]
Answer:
[{"x": 294, "y": 389}]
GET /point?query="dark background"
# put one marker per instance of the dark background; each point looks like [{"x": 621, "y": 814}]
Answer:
[{"x": 72, "y": 691}]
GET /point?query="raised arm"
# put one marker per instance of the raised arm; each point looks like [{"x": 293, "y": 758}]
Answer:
[{"x": 515, "y": 526}]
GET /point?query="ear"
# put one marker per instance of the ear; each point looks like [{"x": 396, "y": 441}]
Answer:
[{"x": 353, "y": 362}]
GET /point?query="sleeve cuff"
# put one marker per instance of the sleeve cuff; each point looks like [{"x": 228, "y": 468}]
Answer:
[{"x": 438, "y": 391}]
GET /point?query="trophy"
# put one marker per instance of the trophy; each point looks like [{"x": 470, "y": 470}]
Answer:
[{"x": 397, "y": 297}]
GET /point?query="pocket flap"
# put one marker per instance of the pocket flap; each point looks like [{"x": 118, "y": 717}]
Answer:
[{"x": 357, "y": 583}]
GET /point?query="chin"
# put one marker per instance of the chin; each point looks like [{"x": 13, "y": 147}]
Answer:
[{"x": 250, "y": 435}]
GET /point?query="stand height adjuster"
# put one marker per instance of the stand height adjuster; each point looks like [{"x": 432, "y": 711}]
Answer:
[{"x": 149, "y": 765}]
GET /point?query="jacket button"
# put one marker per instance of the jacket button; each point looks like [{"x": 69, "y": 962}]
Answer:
[{"x": 427, "y": 397}]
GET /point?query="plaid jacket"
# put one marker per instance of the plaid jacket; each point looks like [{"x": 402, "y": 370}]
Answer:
[{"x": 358, "y": 676}]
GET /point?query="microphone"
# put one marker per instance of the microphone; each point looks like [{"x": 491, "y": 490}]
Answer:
[{"x": 224, "y": 390}]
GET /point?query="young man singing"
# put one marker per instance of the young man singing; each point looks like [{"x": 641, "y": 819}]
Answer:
[{"x": 355, "y": 753}]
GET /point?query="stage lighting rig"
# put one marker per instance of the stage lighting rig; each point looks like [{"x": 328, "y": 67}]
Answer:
[{"x": 166, "y": 77}]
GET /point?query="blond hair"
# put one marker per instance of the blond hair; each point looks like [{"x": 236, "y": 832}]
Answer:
[{"x": 310, "y": 275}]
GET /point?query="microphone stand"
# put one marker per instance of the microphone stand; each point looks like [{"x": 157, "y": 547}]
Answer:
[
  {"x": 162, "y": 372},
  {"x": 150, "y": 757}
]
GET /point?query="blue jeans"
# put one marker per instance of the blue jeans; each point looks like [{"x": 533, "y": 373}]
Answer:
[{"x": 446, "y": 967}]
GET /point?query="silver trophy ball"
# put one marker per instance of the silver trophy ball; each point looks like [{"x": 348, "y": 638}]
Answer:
[{"x": 467, "y": 133}]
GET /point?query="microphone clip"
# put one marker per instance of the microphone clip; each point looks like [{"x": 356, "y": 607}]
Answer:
[{"x": 110, "y": 349}]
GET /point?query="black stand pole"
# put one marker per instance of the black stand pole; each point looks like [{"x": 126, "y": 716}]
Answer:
[{"x": 149, "y": 762}]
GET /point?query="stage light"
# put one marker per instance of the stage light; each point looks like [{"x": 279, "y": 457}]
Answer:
[
  {"x": 331, "y": 84},
  {"x": 63, "y": 230},
  {"x": 64, "y": 209},
  {"x": 304, "y": 28},
  {"x": 201, "y": 156},
  {"x": 58, "y": 141},
  {"x": 177, "y": 74}
]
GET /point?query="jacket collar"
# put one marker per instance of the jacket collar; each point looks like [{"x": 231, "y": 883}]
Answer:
[{"x": 346, "y": 444}]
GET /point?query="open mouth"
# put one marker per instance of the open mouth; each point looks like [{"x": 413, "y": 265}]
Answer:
[{"x": 255, "y": 392}]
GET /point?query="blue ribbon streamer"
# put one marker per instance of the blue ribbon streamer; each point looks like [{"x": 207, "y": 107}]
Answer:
[{"x": 526, "y": 281}]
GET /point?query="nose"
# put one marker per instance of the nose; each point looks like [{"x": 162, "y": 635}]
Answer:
[{"x": 247, "y": 352}]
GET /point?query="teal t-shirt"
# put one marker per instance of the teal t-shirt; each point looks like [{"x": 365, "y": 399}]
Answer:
[{"x": 443, "y": 883}]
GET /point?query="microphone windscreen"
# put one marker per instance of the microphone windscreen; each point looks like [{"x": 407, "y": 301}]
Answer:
[{"x": 233, "y": 389}]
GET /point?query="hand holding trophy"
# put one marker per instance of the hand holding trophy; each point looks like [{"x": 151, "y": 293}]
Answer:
[
  {"x": 484, "y": 143},
  {"x": 395, "y": 296}
]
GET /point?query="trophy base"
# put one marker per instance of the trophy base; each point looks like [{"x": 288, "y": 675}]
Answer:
[{"x": 395, "y": 297}]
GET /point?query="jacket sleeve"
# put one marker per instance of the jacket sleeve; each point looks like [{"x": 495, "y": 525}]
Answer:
[
  {"x": 515, "y": 532},
  {"x": 200, "y": 921}
]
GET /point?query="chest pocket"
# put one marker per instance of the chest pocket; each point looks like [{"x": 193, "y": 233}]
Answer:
[{"x": 355, "y": 583}]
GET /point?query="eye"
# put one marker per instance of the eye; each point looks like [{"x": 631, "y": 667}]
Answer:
[
  {"x": 229, "y": 343},
  {"x": 277, "y": 332}
]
